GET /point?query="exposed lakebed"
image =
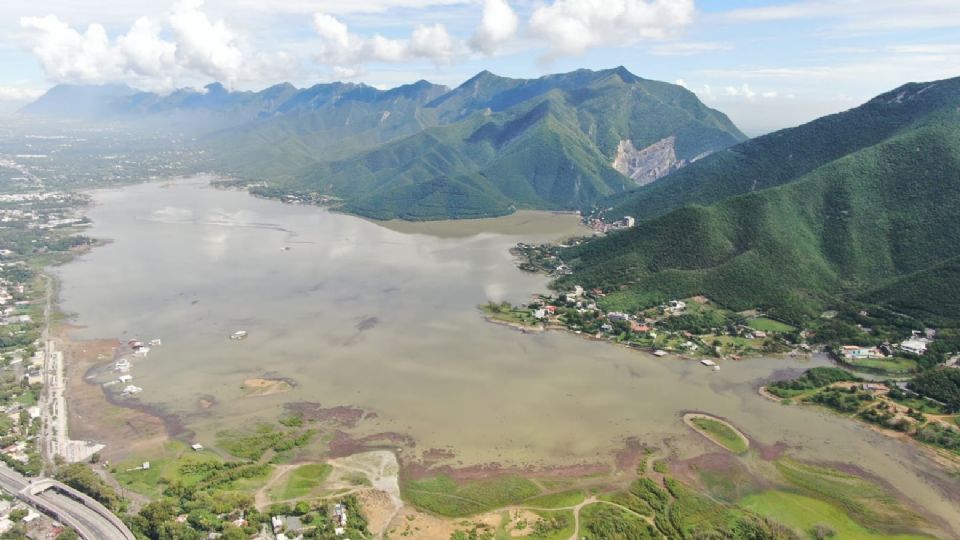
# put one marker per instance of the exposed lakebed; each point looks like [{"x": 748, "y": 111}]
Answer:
[{"x": 380, "y": 323}]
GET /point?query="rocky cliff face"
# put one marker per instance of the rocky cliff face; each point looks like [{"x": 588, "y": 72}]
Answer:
[{"x": 647, "y": 164}]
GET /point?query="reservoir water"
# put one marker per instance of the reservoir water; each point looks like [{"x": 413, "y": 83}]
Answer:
[{"x": 384, "y": 317}]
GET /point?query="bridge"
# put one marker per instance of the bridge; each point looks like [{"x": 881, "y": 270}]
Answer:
[{"x": 92, "y": 520}]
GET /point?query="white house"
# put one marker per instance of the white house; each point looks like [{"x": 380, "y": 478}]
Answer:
[{"x": 916, "y": 346}]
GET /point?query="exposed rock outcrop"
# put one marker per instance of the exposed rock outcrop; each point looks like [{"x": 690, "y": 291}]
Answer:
[{"x": 647, "y": 164}]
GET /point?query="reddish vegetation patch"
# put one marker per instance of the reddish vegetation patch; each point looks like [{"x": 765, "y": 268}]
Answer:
[
  {"x": 434, "y": 455},
  {"x": 770, "y": 452},
  {"x": 415, "y": 471},
  {"x": 702, "y": 471},
  {"x": 343, "y": 444},
  {"x": 341, "y": 415},
  {"x": 629, "y": 456}
]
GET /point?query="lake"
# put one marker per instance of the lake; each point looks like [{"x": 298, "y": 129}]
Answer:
[{"x": 384, "y": 317}]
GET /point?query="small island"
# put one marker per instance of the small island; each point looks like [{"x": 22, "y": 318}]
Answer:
[{"x": 718, "y": 431}]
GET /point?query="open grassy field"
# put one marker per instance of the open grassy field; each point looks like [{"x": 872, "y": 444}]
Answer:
[
  {"x": 803, "y": 513},
  {"x": 721, "y": 433},
  {"x": 444, "y": 496},
  {"x": 165, "y": 467},
  {"x": 303, "y": 480},
  {"x": 769, "y": 325},
  {"x": 895, "y": 365},
  {"x": 562, "y": 499},
  {"x": 176, "y": 463},
  {"x": 865, "y": 502}
]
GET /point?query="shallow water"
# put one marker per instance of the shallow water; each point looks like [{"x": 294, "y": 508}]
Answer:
[{"x": 385, "y": 318}]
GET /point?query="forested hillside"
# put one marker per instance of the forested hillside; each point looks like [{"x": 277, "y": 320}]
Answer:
[
  {"x": 786, "y": 155},
  {"x": 889, "y": 213},
  {"x": 549, "y": 143}
]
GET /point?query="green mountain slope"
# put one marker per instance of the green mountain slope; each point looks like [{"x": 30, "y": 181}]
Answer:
[
  {"x": 872, "y": 217},
  {"x": 931, "y": 294},
  {"x": 499, "y": 144},
  {"x": 786, "y": 155},
  {"x": 323, "y": 122}
]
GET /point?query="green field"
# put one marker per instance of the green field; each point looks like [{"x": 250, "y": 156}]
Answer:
[
  {"x": 721, "y": 433},
  {"x": 769, "y": 325},
  {"x": 888, "y": 365},
  {"x": 865, "y": 502},
  {"x": 444, "y": 496},
  {"x": 802, "y": 513},
  {"x": 165, "y": 467},
  {"x": 303, "y": 480},
  {"x": 562, "y": 499}
]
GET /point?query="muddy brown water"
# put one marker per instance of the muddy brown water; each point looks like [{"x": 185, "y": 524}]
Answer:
[{"x": 384, "y": 317}]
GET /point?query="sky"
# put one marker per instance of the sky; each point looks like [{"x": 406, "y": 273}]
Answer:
[{"x": 768, "y": 64}]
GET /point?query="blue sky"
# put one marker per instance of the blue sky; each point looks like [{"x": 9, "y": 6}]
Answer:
[{"x": 767, "y": 63}]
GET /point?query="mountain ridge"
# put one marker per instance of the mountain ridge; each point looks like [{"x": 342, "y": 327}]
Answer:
[{"x": 875, "y": 220}]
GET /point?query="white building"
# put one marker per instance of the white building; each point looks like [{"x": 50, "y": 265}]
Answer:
[{"x": 916, "y": 346}]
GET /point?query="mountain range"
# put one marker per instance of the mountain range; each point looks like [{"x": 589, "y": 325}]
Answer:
[
  {"x": 862, "y": 204},
  {"x": 423, "y": 151}
]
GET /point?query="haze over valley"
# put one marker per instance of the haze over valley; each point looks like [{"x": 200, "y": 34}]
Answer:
[{"x": 480, "y": 270}]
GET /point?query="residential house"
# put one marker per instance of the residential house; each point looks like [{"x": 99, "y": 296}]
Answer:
[
  {"x": 915, "y": 345},
  {"x": 855, "y": 352}
]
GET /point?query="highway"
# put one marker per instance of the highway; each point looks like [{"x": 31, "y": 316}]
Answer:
[{"x": 88, "y": 517}]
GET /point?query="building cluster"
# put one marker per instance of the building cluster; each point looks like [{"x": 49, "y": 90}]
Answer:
[
  {"x": 915, "y": 345},
  {"x": 600, "y": 226}
]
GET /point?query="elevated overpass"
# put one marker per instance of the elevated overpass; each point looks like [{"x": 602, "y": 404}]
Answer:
[{"x": 92, "y": 520}]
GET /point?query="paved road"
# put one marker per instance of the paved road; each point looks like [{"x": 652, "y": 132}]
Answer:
[{"x": 83, "y": 514}]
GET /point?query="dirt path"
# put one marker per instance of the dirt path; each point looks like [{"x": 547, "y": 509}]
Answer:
[
  {"x": 382, "y": 470},
  {"x": 262, "y": 498}
]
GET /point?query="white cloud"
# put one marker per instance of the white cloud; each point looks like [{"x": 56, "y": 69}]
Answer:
[
  {"x": 344, "y": 50},
  {"x": 498, "y": 25},
  {"x": 572, "y": 26},
  {"x": 742, "y": 91},
  {"x": 731, "y": 92},
  {"x": 146, "y": 54},
  {"x": 201, "y": 50},
  {"x": 67, "y": 54},
  {"x": 209, "y": 47},
  {"x": 339, "y": 7}
]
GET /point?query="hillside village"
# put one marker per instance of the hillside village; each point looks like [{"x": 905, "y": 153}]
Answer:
[{"x": 865, "y": 339}]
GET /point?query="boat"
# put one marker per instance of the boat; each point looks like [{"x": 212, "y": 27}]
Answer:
[
  {"x": 716, "y": 368},
  {"x": 141, "y": 351},
  {"x": 131, "y": 389},
  {"x": 709, "y": 363},
  {"x": 659, "y": 352},
  {"x": 155, "y": 342},
  {"x": 239, "y": 334},
  {"x": 122, "y": 365}
]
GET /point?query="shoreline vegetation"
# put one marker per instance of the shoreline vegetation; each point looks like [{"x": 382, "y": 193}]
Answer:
[
  {"x": 890, "y": 408},
  {"x": 718, "y": 431},
  {"x": 307, "y": 489}
]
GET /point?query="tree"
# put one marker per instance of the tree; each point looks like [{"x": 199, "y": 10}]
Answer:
[
  {"x": 301, "y": 508},
  {"x": 80, "y": 477}
]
